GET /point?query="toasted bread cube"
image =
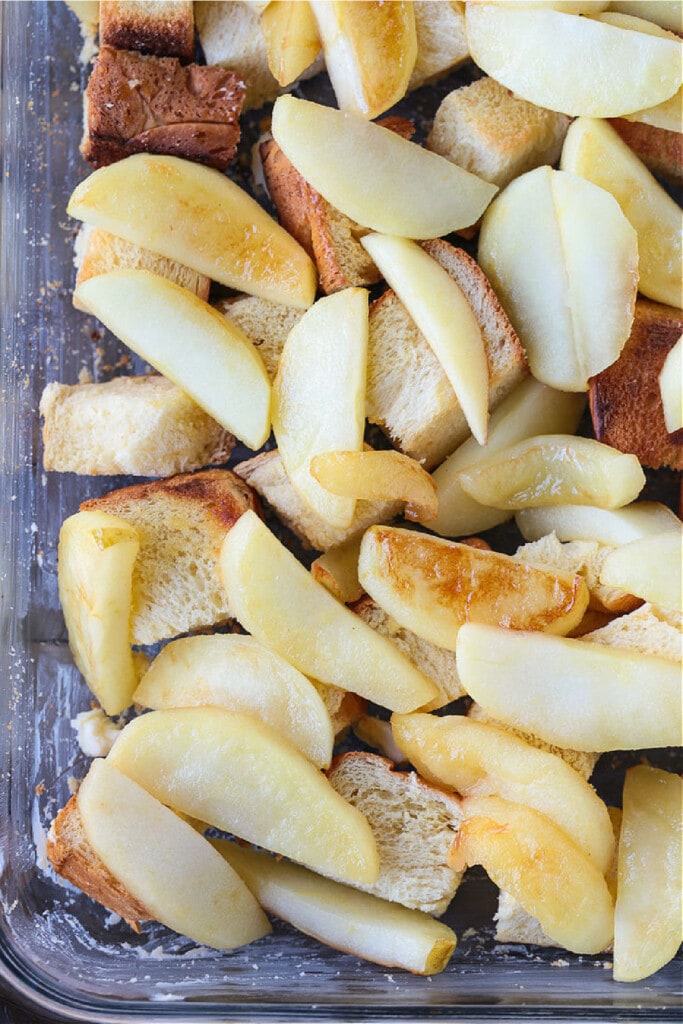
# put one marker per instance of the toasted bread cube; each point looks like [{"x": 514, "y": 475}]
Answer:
[{"x": 162, "y": 27}]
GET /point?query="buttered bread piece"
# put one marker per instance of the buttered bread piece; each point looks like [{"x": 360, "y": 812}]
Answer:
[{"x": 161, "y": 27}]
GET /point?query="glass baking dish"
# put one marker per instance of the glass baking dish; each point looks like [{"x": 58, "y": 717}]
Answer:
[{"x": 60, "y": 954}]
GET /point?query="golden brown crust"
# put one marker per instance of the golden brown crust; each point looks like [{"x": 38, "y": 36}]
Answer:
[
  {"x": 162, "y": 28},
  {"x": 659, "y": 149}
]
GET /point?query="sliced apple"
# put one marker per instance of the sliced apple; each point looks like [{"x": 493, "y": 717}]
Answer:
[
  {"x": 438, "y": 306},
  {"x": 432, "y": 586},
  {"x": 528, "y": 856},
  {"x": 377, "y": 476},
  {"x": 291, "y": 36},
  {"x": 607, "y": 526},
  {"x": 95, "y": 561},
  {"x": 164, "y": 863},
  {"x": 238, "y": 673},
  {"x": 648, "y": 913},
  {"x": 554, "y": 469},
  {"x": 563, "y": 259},
  {"x": 667, "y": 115},
  {"x": 280, "y": 603},
  {"x": 199, "y": 217},
  {"x": 650, "y": 567},
  {"x": 346, "y": 919},
  {"x": 370, "y": 52},
  {"x": 670, "y": 379},
  {"x": 661, "y": 12},
  {"x": 578, "y": 66},
  {"x": 190, "y": 343},
  {"x": 239, "y": 775},
  {"x": 545, "y": 684},
  {"x": 319, "y": 395},
  {"x": 397, "y": 187},
  {"x": 337, "y": 571},
  {"x": 532, "y": 408}
]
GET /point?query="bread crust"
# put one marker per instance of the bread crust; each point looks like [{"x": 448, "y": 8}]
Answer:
[{"x": 163, "y": 28}]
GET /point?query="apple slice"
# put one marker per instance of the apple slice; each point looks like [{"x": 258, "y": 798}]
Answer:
[
  {"x": 239, "y": 775},
  {"x": 165, "y": 864},
  {"x": 648, "y": 913},
  {"x": 607, "y": 526},
  {"x": 377, "y": 476},
  {"x": 346, "y": 919},
  {"x": 291, "y": 36},
  {"x": 95, "y": 572},
  {"x": 650, "y": 567},
  {"x": 337, "y": 571},
  {"x": 666, "y": 115},
  {"x": 220, "y": 370},
  {"x": 370, "y": 52},
  {"x": 477, "y": 759},
  {"x": 397, "y": 187},
  {"x": 319, "y": 395},
  {"x": 578, "y": 66},
  {"x": 670, "y": 379},
  {"x": 432, "y": 586},
  {"x": 438, "y": 306},
  {"x": 554, "y": 469},
  {"x": 532, "y": 408},
  {"x": 544, "y": 684},
  {"x": 200, "y": 218},
  {"x": 661, "y": 12},
  {"x": 542, "y": 868},
  {"x": 277, "y": 600},
  {"x": 563, "y": 259},
  {"x": 237, "y": 673}
]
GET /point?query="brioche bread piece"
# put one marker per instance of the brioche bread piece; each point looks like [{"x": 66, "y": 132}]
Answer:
[
  {"x": 414, "y": 824},
  {"x": 138, "y": 104},
  {"x": 266, "y": 474},
  {"x": 230, "y": 34},
  {"x": 98, "y": 252},
  {"x": 625, "y": 399},
  {"x": 659, "y": 149},
  {"x": 492, "y": 133},
  {"x": 265, "y": 323},
  {"x": 441, "y": 39},
  {"x": 646, "y": 629},
  {"x": 88, "y": 14},
  {"x": 182, "y": 524},
  {"x": 140, "y": 426},
  {"x": 161, "y": 27},
  {"x": 408, "y": 393},
  {"x": 343, "y": 707},
  {"x": 515, "y": 924}
]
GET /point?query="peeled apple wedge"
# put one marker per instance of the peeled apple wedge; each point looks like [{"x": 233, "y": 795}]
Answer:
[
  {"x": 239, "y": 674},
  {"x": 545, "y": 684},
  {"x": 337, "y": 570},
  {"x": 563, "y": 259},
  {"x": 397, "y": 187},
  {"x": 650, "y": 568},
  {"x": 594, "y": 150},
  {"x": 555, "y": 469},
  {"x": 667, "y": 115},
  {"x": 346, "y": 919},
  {"x": 438, "y": 306},
  {"x": 277, "y": 600},
  {"x": 290, "y": 33},
  {"x": 477, "y": 759},
  {"x": 165, "y": 864},
  {"x": 238, "y": 774},
  {"x": 607, "y": 526},
  {"x": 648, "y": 913},
  {"x": 370, "y": 51},
  {"x": 377, "y": 476},
  {"x": 190, "y": 343},
  {"x": 661, "y": 12},
  {"x": 529, "y": 856},
  {"x": 199, "y": 217},
  {"x": 671, "y": 388},
  {"x": 578, "y": 66},
  {"x": 432, "y": 586},
  {"x": 319, "y": 395},
  {"x": 95, "y": 556}
]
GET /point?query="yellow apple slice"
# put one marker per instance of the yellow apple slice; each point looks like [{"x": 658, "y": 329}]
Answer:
[
  {"x": 648, "y": 913},
  {"x": 370, "y": 52},
  {"x": 279, "y": 602},
  {"x": 291, "y": 36},
  {"x": 563, "y": 259},
  {"x": 671, "y": 388},
  {"x": 377, "y": 476},
  {"x": 432, "y": 586},
  {"x": 238, "y": 774},
  {"x": 532, "y": 408},
  {"x": 593, "y": 149},
  {"x": 555, "y": 469},
  {"x": 650, "y": 567},
  {"x": 667, "y": 115},
  {"x": 337, "y": 570},
  {"x": 573, "y": 693},
  {"x": 319, "y": 395},
  {"x": 542, "y": 868},
  {"x": 661, "y": 12},
  {"x": 190, "y": 343},
  {"x": 444, "y": 316},
  {"x": 477, "y": 759},
  {"x": 238, "y": 673},
  {"x": 199, "y": 217},
  {"x": 95, "y": 572},
  {"x": 607, "y": 526},
  {"x": 397, "y": 187},
  {"x": 346, "y": 919},
  {"x": 578, "y": 66},
  {"x": 164, "y": 863}
]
